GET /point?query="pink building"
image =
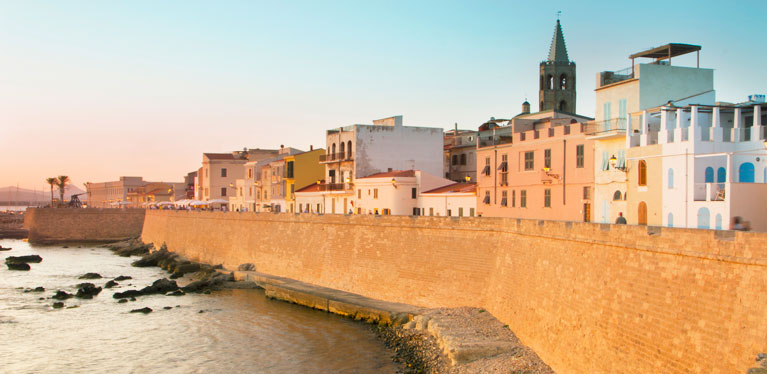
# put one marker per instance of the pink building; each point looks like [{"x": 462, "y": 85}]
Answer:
[{"x": 538, "y": 166}]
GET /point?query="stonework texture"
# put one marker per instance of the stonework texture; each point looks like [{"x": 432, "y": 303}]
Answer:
[{"x": 52, "y": 225}]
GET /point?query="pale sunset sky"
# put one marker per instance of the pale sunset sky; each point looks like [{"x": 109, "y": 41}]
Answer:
[{"x": 100, "y": 89}]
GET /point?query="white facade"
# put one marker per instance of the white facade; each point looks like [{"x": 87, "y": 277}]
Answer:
[
  {"x": 457, "y": 200},
  {"x": 714, "y": 163},
  {"x": 394, "y": 193}
]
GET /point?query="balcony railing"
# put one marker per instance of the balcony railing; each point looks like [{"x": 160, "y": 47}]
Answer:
[
  {"x": 325, "y": 187},
  {"x": 332, "y": 157},
  {"x": 709, "y": 192},
  {"x": 610, "y": 77},
  {"x": 495, "y": 140},
  {"x": 614, "y": 126}
]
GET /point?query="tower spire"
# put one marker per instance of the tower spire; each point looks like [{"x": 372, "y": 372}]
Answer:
[{"x": 558, "y": 50}]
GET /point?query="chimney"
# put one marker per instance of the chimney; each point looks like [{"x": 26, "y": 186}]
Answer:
[{"x": 311, "y": 147}]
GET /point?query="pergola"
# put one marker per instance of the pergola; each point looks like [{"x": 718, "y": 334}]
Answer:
[{"x": 666, "y": 52}]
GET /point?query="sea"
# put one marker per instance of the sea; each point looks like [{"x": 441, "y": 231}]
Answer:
[{"x": 228, "y": 331}]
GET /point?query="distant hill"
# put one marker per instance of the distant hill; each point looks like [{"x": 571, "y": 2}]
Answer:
[{"x": 12, "y": 194}]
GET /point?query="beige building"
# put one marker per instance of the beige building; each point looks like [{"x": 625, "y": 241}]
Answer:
[
  {"x": 220, "y": 171},
  {"x": 106, "y": 194},
  {"x": 310, "y": 199},
  {"x": 460, "y": 149},
  {"x": 156, "y": 192},
  {"x": 393, "y": 193}
]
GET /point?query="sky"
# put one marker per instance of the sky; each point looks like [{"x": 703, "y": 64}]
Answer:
[{"x": 99, "y": 89}]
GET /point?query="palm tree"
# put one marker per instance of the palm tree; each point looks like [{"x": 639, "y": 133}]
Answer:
[
  {"x": 52, "y": 182},
  {"x": 62, "y": 182}
]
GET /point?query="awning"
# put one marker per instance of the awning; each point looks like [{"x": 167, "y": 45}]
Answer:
[
  {"x": 503, "y": 166},
  {"x": 486, "y": 200},
  {"x": 503, "y": 201},
  {"x": 486, "y": 170}
]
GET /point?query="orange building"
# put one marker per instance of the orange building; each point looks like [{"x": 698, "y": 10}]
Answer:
[{"x": 537, "y": 166}]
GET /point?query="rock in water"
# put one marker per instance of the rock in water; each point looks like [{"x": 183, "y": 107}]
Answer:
[
  {"x": 21, "y": 266},
  {"x": 23, "y": 259},
  {"x": 145, "y": 310},
  {"x": 61, "y": 295},
  {"x": 58, "y": 305},
  {"x": 87, "y": 291},
  {"x": 175, "y": 293},
  {"x": 110, "y": 284},
  {"x": 122, "y": 301},
  {"x": 90, "y": 276},
  {"x": 127, "y": 294},
  {"x": 5, "y": 249},
  {"x": 122, "y": 278},
  {"x": 160, "y": 286},
  {"x": 155, "y": 258}
]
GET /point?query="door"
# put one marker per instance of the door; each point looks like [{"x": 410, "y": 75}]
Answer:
[
  {"x": 642, "y": 213},
  {"x": 587, "y": 212}
]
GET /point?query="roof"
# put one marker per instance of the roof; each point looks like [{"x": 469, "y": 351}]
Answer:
[
  {"x": 392, "y": 174},
  {"x": 455, "y": 188},
  {"x": 558, "y": 50},
  {"x": 667, "y": 51},
  {"x": 314, "y": 187},
  {"x": 219, "y": 156}
]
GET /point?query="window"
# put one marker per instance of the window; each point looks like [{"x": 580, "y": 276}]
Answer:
[
  {"x": 721, "y": 175},
  {"x": 449, "y": 213},
  {"x": 504, "y": 167},
  {"x": 455, "y": 159},
  {"x": 486, "y": 169},
  {"x": 523, "y": 199},
  {"x": 290, "y": 169},
  {"x": 463, "y": 159},
  {"x": 550, "y": 79},
  {"x": 616, "y": 195},
  {"x": 223, "y": 191},
  {"x": 529, "y": 165},
  {"x": 486, "y": 200},
  {"x": 250, "y": 173},
  {"x": 563, "y": 106},
  {"x": 504, "y": 179},
  {"x": 471, "y": 212},
  {"x": 547, "y": 158},
  {"x": 513, "y": 198},
  {"x": 704, "y": 218},
  {"x": 709, "y": 175},
  {"x": 746, "y": 173},
  {"x": 563, "y": 82},
  {"x": 223, "y": 172},
  {"x": 359, "y": 194},
  {"x": 587, "y": 193},
  {"x": 670, "y": 220},
  {"x": 349, "y": 149},
  {"x": 342, "y": 150},
  {"x": 579, "y": 156},
  {"x": 547, "y": 198},
  {"x": 413, "y": 193},
  {"x": 431, "y": 211},
  {"x": 375, "y": 193},
  {"x": 416, "y": 211},
  {"x": 460, "y": 212},
  {"x": 670, "y": 178},
  {"x": 504, "y": 195},
  {"x": 642, "y": 171},
  {"x": 606, "y": 111}
]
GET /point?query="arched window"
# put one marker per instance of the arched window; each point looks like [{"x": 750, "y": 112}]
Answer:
[
  {"x": 709, "y": 175},
  {"x": 642, "y": 213},
  {"x": 670, "y": 178},
  {"x": 642, "y": 173},
  {"x": 670, "y": 220},
  {"x": 550, "y": 79},
  {"x": 704, "y": 218},
  {"x": 562, "y": 106},
  {"x": 616, "y": 195},
  {"x": 463, "y": 159},
  {"x": 563, "y": 82},
  {"x": 718, "y": 222},
  {"x": 455, "y": 160},
  {"x": 349, "y": 149},
  {"x": 333, "y": 149},
  {"x": 543, "y": 84},
  {"x": 721, "y": 175},
  {"x": 746, "y": 173},
  {"x": 342, "y": 149}
]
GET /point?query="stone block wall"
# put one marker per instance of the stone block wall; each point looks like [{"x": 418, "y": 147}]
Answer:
[
  {"x": 588, "y": 298},
  {"x": 58, "y": 225}
]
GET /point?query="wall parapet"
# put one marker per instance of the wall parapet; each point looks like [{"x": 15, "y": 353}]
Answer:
[
  {"x": 586, "y": 297},
  {"x": 60, "y": 225}
]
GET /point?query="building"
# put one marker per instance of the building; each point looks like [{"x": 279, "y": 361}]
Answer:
[
  {"x": 310, "y": 199},
  {"x": 264, "y": 183},
  {"x": 301, "y": 170},
  {"x": 454, "y": 200},
  {"x": 106, "y": 194},
  {"x": 622, "y": 93},
  {"x": 539, "y": 165},
  {"x": 708, "y": 165},
  {"x": 220, "y": 171},
  {"x": 155, "y": 192},
  {"x": 362, "y": 150},
  {"x": 460, "y": 149},
  {"x": 190, "y": 182},
  {"x": 394, "y": 192}
]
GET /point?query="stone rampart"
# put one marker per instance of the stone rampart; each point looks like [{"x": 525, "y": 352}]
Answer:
[
  {"x": 588, "y": 298},
  {"x": 58, "y": 225}
]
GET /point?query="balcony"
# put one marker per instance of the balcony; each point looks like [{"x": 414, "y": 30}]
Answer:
[
  {"x": 710, "y": 192},
  {"x": 610, "y": 77},
  {"x": 335, "y": 157},
  {"x": 336, "y": 187},
  {"x": 495, "y": 140},
  {"x": 606, "y": 129}
]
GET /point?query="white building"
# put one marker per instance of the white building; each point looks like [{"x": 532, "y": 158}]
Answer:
[
  {"x": 395, "y": 192},
  {"x": 310, "y": 199},
  {"x": 453, "y": 200},
  {"x": 635, "y": 89},
  {"x": 362, "y": 150},
  {"x": 714, "y": 162}
]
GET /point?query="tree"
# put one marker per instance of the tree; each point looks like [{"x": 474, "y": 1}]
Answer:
[
  {"x": 52, "y": 182},
  {"x": 62, "y": 182}
]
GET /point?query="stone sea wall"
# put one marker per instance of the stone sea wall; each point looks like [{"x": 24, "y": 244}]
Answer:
[
  {"x": 57, "y": 225},
  {"x": 588, "y": 298}
]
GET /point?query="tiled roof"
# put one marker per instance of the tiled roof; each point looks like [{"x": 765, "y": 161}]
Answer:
[
  {"x": 455, "y": 188},
  {"x": 314, "y": 187},
  {"x": 219, "y": 156},
  {"x": 392, "y": 174}
]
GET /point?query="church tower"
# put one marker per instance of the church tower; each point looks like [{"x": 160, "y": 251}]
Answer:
[{"x": 557, "y": 89}]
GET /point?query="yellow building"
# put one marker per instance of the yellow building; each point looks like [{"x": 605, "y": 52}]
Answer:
[
  {"x": 302, "y": 170},
  {"x": 644, "y": 203}
]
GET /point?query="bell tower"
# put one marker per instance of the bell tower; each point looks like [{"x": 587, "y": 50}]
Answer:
[{"x": 557, "y": 90}]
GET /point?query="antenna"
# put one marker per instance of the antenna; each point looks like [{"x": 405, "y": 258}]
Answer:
[{"x": 558, "y": 13}]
